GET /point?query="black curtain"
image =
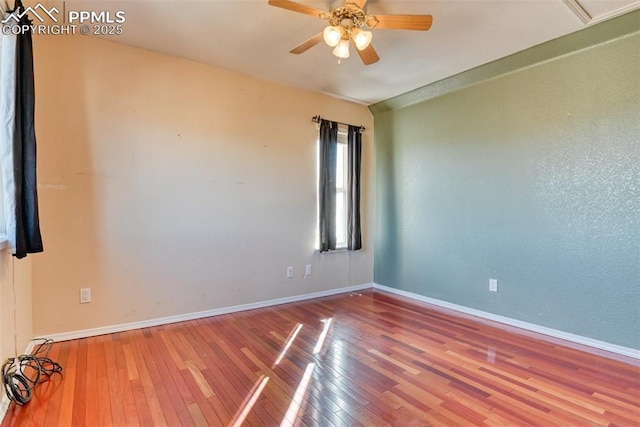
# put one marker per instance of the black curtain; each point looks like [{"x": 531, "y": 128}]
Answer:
[
  {"x": 354, "y": 146},
  {"x": 327, "y": 183},
  {"x": 28, "y": 238}
]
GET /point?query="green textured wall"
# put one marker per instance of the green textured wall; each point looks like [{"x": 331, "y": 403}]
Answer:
[{"x": 533, "y": 178}]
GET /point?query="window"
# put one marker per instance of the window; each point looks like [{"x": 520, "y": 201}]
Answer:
[
  {"x": 3, "y": 224},
  {"x": 339, "y": 152},
  {"x": 342, "y": 166}
]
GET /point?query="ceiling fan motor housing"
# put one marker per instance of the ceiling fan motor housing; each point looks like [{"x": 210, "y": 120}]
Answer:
[{"x": 349, "y": 16}]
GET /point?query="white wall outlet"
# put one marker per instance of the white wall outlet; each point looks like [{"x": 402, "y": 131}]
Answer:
[
  {"x": 307, "y": 270},
  {"x": 289, "y": 272},
  {"x": 85, "y": 295},
  {"x": 493, "y": 285}
]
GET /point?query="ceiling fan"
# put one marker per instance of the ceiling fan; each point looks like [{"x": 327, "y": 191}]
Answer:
[{"x": 346, "y": 24}]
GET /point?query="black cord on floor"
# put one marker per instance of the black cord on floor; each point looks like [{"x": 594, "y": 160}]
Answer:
[{"x": 22, "y": 374}]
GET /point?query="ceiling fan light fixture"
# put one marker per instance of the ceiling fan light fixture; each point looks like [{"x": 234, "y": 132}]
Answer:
[
  {"x": 361, "y": 38},
  {"x": 342, "y": 49},
  {"x": 332, "y": 35},
  {"x": 347, "y": 22}
]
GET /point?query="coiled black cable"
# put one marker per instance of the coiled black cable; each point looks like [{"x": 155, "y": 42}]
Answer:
[{"x": 22, "y": 374}]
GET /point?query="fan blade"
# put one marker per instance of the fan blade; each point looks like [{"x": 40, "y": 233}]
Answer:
[
  {"x": 308, "y": 44},
  {"x": 403, "y": 22},
  {"x": 359, "y": 3},
  {"x": 297, "y": 7},
  {"x": 368, "y": 55}
]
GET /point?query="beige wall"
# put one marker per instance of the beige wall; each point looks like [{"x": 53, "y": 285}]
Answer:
[
  {"x": 16, "y": 328},
  {"x": 171, "y": 187}
]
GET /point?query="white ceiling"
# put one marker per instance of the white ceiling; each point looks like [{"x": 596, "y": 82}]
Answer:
[{"x": 253, "y": 38}]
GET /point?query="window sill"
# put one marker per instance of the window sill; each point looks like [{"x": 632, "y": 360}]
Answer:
[{"x": 331, "y": 251}]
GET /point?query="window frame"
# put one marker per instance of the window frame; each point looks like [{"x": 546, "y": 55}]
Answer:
[{"x": 343, "y": 191}]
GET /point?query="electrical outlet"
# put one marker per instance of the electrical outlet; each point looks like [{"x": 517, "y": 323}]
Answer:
[
  {"x": 307, "y": 270},
  {"x": 493, "y": 285},
  {"x": 289, "y": 272},
  {"x": 85, "y": 295}
]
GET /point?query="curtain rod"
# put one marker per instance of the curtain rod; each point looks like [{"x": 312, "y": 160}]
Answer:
[{"x": 317, "y": 119}]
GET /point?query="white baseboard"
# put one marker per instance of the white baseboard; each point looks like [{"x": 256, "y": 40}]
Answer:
[
  {"x": 4, "y": 402},
  {"x": 602, "y": 345},
  {"x": 84, "y": 333},
  {"x": 30, "y": 347},
  {"x": 4, "y": 405},
  {"x": 578, "y": 339}
]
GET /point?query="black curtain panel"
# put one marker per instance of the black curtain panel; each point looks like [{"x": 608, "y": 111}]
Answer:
[
  {"x": 327, "y": 183},
  {"x": 354, "y": 146},
  {"x": 28, "y": 238}
]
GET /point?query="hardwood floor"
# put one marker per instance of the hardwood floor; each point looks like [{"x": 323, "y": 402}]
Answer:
[{"x": 368, "y": 359}]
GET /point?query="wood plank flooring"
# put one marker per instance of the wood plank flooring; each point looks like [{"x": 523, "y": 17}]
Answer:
[{"x": 367, "y": 359}]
